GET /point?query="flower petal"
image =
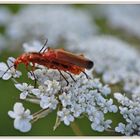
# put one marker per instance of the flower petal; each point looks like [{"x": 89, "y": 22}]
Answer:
[
  {"x": 19, "y": 87},
  {"x": 18, "y": 108},
  {"x": 10, "y": 61},
  {"x": 23, "y": 95},
  {"x": 36, "y": 92},
  {"x": 1, "y": 73},
  {"x": 6, "y": 76},
  {"x": 66, "y": 121},
  {"x": 3, "y": 66},
  {"x": 12, "y": 114},
  {"x": 22, "y": 125}
]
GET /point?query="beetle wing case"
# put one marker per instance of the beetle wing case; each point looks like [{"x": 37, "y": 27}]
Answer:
[{"x": 78, "y": 60}]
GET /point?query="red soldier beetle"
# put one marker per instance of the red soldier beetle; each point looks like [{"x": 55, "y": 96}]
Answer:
[{"x": 56, "y": 59}]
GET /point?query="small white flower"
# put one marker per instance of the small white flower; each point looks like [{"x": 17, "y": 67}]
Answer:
[
  {"x": 120, "y": 128},
  {"x": 96, "y": 83},
  {"x": 52, "y": 86},
  {"x": 40, "y": 91},
  {"x": 129, "y": 130},
  {"x": 76, "y": 109},
  {"x": 96, "y": 116},
  {"x": 25, "y": 89},
  {"x": 90, "y": 110},
  {"x": 118, "y": 96},
  {"x": 48, "y": 102},
  {"x": 65, "y": 116},
  {"x": 109, "y": 107},
  {"x": 3, "y": 69},
  {"x": 101, "y": 126},
  {"x": 124, "y": 111},
  {"x": 65, "y": 99},
  {"x": 124, "y": 129},
  {"x": 22, "y": 117},
  {"x": 97, "y": 127},
  {"x": 40, "y": 74},
  {"x": 113, "y": 108},
  {"x": 10, "y": 61},
  {"x": 107, "y": 124},
  {"x": 100, "y": 100},
  {"x": 105, "y": 90},
  {"x": 122, "y": 99}
]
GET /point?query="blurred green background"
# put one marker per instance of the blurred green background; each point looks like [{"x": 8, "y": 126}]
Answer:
[{"x": 44, "y": 127}]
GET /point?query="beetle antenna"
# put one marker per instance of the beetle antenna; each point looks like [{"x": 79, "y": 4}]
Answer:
[
  {"x": 44, "y": 45},
  {"x": 11, "y": 61},
  {"x": 6, "y": 71}
]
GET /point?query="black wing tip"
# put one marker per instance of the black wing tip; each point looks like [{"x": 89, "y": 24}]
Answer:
[{"x": 90, "y": 64}]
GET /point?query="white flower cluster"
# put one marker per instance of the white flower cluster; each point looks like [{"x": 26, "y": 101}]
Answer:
[
  {"x": 124, "y": 17},
  {"x": 130, "y": 109},
  {"x": 82, "y": 97},
  {"x": 115, "y": 59},
  {"x": 57, "y": 23}
]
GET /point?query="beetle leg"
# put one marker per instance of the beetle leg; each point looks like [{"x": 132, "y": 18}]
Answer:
[
  {"x": 32, "y": 73},
  {"x": 11, "y": 61},
  {"x": 71, "y": 76},
  {"x": 35, "y": 81},
  {"x": 33, "y": 67},
  {"x": 64, "y": 77},
  {"x": 86, "y": 75},
  {"x": 61, "y": 84}
]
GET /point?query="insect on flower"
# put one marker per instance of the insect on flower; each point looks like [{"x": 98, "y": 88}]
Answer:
[{"x": 56, "y": 59}]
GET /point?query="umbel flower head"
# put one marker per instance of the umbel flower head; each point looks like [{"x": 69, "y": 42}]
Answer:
[
  {"x": 115, "y": 68},
  {"x": 130, "y": 110},
  {"x": 124, "y": 19},
  {"x": 81, "y": 97},
  {"x": 67, "y": 28}
]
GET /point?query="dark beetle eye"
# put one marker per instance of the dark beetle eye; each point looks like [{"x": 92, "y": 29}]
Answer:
[{"x": 90, "y": 64}]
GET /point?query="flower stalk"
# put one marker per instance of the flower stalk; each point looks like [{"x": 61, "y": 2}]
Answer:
[{"x": 74, "y": 126}]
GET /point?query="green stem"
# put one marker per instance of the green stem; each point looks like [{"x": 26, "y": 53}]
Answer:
[
  {"x": 40, "y": 114},
  {"x": 110, "y": 130},
  {"x": 76, "y": 129},
  {"x": 14, "y": 80}
]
